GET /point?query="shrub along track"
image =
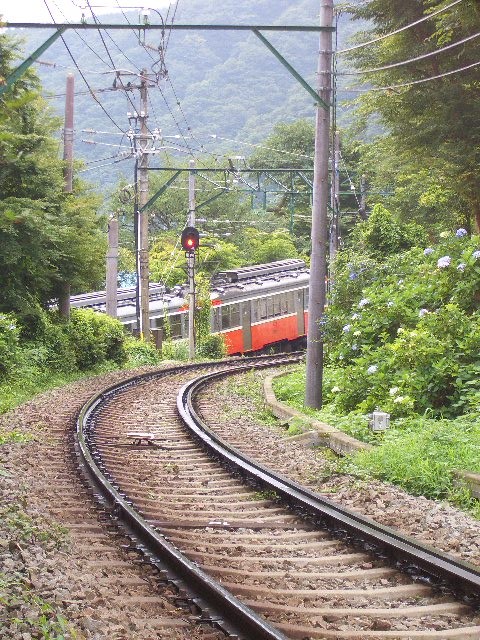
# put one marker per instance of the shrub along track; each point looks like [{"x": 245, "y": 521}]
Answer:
[{"x": 306, "y": 581}]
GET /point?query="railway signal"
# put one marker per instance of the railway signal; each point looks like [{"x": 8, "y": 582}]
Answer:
[{"x": 190, "y": 239}]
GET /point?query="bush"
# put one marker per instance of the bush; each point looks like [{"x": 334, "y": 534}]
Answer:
[
  {"x": 95, "y": 338},
  {"x": 212, "y": 346},
  {"x": 141, "y": 353},
  {"x": 175, "y": 350},
  {"x": 9, "y": 343}
]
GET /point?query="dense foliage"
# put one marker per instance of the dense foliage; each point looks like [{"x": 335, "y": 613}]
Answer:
[
  {"x": 47, "y": 238},
  {"x": 429, "y": 143}
]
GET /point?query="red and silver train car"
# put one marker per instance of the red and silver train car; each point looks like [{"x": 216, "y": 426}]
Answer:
[{"x": 252, "y": 307}]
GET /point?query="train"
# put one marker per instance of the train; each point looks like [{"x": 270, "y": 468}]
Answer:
[{"x": 252, "y": 307}]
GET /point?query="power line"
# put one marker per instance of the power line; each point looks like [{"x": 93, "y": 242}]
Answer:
[
  {"x": 82, "y": 75},
  {"x": 404, "y": 62},
  {"x": 413, "y": 82},
  {"x": 392, "y": 33}
]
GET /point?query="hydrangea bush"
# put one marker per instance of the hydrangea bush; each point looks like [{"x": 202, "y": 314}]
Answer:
[{"x": 407, "y": 339}]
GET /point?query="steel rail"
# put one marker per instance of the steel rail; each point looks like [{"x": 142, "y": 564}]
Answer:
[
  {"x": 459, "y": 575},
  {"x": 219, "y": 605}
]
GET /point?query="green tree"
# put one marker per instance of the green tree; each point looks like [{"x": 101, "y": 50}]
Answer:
[
  {"x": 432, "y": 124},
  {"x": 46, "y": 236}
]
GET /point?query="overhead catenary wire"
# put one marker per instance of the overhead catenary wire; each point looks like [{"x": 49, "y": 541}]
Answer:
[
  {"x": 392, "y": 87},
  {"x": 392, "y": 33},
  {"x": 410, "y": 60},
  {"x": 83, "y": 76}
]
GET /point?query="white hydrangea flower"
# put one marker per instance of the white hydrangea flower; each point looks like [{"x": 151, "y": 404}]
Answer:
[
  {"x": 373, "y": 368},
  {"x": 393, "y": 391}
]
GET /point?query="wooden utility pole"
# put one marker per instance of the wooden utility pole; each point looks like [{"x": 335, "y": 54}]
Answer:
[
  {"x": 64, "y": 295},
  {"x": 191, "y": 263},
  {"x": 112, "y": 269},
  {"x": 318, "y": 264},
  {"x": 143, "y": 141}
]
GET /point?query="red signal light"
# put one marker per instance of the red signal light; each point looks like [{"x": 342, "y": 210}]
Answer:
[{"x": 190, "y": 239}]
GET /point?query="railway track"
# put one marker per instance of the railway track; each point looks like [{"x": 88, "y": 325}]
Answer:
[{"x": 254, "y": 566}]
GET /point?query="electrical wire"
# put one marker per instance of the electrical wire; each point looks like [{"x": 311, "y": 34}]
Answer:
[
  {"x": 404, "y": 62},
  {"x": 392, "y": 87},
  {"x": 82, "y": 75},
  {"x": 392, "y": 33},
  {"x": 258, "y": 145}
]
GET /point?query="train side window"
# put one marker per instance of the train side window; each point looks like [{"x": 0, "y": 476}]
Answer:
[
  {"x": 270, "y": 307},
  {"x": 277, "y": 304},
  {"x": 262, "y": 309},
  {"x": 305, "y": 298},
  {"x": 235, "y": 320},
  {"x": 291, "y": 302},
  {"x": 254, "y": 310},
  {"x": 226, "y": 316},
  {"x": 216, "y": 319},
  {"x": 176, "y": 325}
]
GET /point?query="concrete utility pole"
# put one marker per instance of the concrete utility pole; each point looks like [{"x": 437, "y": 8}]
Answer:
[
  {"x": 64, "y": 296},
  {"x": 318, "y": 265},
  {"x": 143, "y": 215},
  {"x": 112, "y": 268},
  {"x": 191, "y": 263}
]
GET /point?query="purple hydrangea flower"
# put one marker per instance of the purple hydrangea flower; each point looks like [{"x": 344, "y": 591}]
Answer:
[
  {"x": 423, "y": 312},
  {"x": 363, "y": 302},
  {"x": 427, "y": 251},
  {"x": 373, "y": 368},
  {"x": 476, "y": 255},
  {"x": 347, "y": 328},
  {"x": 444, "y": 262},
  {"x": 461, "y": 267},
  {"x": 461, "y": 233}
]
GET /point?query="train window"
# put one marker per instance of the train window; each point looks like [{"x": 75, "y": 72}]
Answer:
[
  {"x": 225, "y": 317},
  {"x": 277, "y": 304},
  {"x": 216, "y": 319},
  {"x": 262, "y": 309},
  {"x": 254, "y": 310},
  {"x": 290, "y": 302},
  {"x": 176, "y": 325},
  {"x": 235, "y": 320},
  {"x": 270, "y": 306},
  {"x": 305, "y": 298}
]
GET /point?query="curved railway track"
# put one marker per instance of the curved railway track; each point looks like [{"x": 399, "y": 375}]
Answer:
[{"x": 257, "y": 554}]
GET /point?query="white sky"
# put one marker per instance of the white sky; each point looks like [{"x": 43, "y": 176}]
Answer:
[{"x": 62, "y": 10}]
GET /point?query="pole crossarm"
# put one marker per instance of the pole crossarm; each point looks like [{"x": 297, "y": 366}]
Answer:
[
  {"x": 288, "y": 66},
  {"x": 20, "y": 70}
]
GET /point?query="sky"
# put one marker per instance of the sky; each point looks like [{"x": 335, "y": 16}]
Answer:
[{"x": 65, "y": 10}]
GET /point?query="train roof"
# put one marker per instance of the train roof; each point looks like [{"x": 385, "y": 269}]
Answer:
[{"x": 258, "y": 270}]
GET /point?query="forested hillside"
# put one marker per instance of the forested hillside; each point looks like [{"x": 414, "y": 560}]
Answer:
[{"x": 222, "y": 83}]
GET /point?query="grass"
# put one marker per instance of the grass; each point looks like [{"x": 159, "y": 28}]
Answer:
[{"x": 418, "y": 453}]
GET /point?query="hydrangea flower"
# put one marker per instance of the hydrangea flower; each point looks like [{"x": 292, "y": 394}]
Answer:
[
  {"x": 400, "y": 281},
  {"x": 356, "y": 333},
  {"x": 352, "y": 275},
  {"x": 355, "y": 316},
  {"x": 400, "y": 330},
  {"x": 476, "y": 255},
  {"x": 427, "y": 251},
  {"x": 373, "y": 368},
  {"x": 347, "y": 328},
  {"x": 461, "y": 267},
  {"x": 461, "y": 233},
  {"x": 390, "y": 303},
  {"x": 354, "y": 347},
  {"x": 443, "y": 262},
  {"x": 336, "y": 389},
  {"x": 393, "y": 391},
  {"x": 423, "y": 312},
  {"x": 399, "y": 399},
  {"x": 363, "y": 302}
]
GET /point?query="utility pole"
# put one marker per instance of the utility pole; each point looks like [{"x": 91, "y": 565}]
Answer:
[
  {"x": 64, "y": 295},
  {"x": 142, "y": 214},
  {"x": 112, "y": 268},
  {"x": 191, "y": 263},
  {"x": 318, "y": 264}
]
